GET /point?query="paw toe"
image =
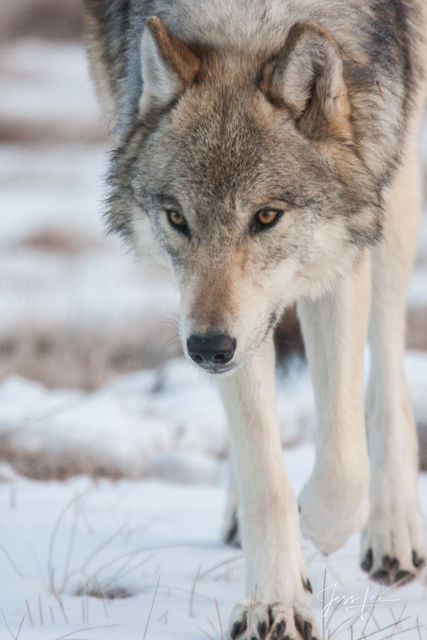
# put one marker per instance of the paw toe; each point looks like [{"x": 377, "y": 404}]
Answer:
[
  {"x": 417, "y": 561},
  {"x": 238, "y": 628},
  {"x": 382, "y": 576},
  {"x": 279, "y": 630},
  {"x": 390, "y": 564},
  {"x": 304, "y": 627},
  {"x": 367, "y": 561},
  {"x": 257, "y": 621},
  {"x": 403, "y": 577}
]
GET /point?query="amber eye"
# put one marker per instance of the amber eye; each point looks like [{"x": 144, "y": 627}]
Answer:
[
  {"x": 265, "y": 218},
  {"x": 177, "y": 220}
]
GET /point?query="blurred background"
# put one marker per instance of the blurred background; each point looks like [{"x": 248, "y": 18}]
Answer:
[{"x": 76, "y": 311}]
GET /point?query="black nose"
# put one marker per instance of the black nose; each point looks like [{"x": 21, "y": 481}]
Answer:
[{"x": 211, "y": 351}]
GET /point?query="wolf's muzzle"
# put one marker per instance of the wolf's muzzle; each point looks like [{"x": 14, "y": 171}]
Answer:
[{"x": 211, "y": 352}]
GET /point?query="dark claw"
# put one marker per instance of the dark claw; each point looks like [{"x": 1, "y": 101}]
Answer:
[
  {"x": 270, "y": 617},
  {"x": 307, "y": 586},
  {"x": 367, "y": 561},
  {"x": 238, "y": 628},
  {"x": 262, "y": 630},
  {"x": 403, "y": 577},
  {"x": 391, "y": 564},
  {"x": 417, "y": 561},
  {"x": 230, "y": 535},
  {"x": 304, "y": 627},
  {"x": 381, "y": 576},
  {"x": 279, "y": 631}
]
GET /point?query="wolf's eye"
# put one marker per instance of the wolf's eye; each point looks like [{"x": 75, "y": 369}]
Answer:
[
  {"x": 265, "y": 218},
  {"x": 177, "y": 220}
]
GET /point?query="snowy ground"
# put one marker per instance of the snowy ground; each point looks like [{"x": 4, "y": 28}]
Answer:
[
  {"x": 143, "y": 560},
  {"x": 141, "y": 424},
  {"x": 139, "y": 558}
]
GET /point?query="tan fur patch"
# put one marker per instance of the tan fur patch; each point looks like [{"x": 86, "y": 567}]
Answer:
[
  {"x": 339, "y": 120},
  {"x": 215, "y": 301},
  {"x": 174, "y": 51}
]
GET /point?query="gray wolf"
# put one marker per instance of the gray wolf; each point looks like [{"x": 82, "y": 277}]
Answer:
[{"x": 267, "y": 154}]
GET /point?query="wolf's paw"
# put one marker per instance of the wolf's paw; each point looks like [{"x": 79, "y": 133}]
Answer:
[
  {"x": 258, "y": 621},
  {"x": 393, "y": 549},
  {"x": 331, "y": 510}
]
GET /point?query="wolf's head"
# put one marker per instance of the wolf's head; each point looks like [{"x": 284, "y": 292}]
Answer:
[{"x": 242, "y": 174}]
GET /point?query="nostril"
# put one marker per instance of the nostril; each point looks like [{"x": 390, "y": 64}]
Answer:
[
  {"x": 211, "y": 350},
  {"x": 222, "y": 357}
]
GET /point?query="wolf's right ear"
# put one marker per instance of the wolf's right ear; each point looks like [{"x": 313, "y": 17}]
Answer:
[{"x": 168, "y": 66}]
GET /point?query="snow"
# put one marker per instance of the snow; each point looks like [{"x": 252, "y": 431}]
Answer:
[
  {"x": 144, "y": 544},
  {"x": 95, "y": 556},
  {"x": 149, "y": 539},
  {"x": 136, "y": 424}
]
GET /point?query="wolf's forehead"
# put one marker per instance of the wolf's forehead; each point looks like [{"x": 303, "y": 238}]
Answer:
[{"x": 218, "y": 151}]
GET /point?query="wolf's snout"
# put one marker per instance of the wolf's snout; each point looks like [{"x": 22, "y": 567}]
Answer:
[{"x": 211, "y": 352}]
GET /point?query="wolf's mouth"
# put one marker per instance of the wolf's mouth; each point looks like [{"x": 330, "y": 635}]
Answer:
[{"x": 219, "y": 370}]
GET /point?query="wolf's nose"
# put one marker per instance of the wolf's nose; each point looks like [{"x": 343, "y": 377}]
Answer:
[{"x": 211, "y": 351}]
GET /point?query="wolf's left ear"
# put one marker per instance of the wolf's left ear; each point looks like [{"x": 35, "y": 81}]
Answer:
[
  {"x": 307, "y": 78},
  {"x": 168, "y": 66}
]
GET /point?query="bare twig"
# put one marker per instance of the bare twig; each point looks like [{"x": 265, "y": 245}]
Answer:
[
  {"x": 61, "y": 605},
  {"x": 387, "y": 637},
  {"x": 9, "y": 557},
  {"x": 70, "y": 546},
  {"x": 365, "y": 626},
  {"x": 151, "y": 610},
  {"x": 218, "y": 565},
  {"x": 205, "y": 633},
  {"x": 418, "y": 629},
  {"x": 18, "y": 633},
  {"x": 341, "y": 624},
  {"x": 41, "y": 612},
  {"x": 7, "y": 626},
  {"x": 193, "y": 591},
  {"x": 393, "y": 624},
  {"x": 221, "y": 628},
  {"x": 30, "y": 617},
  {"x": 323, "y": 606},
  {"x": 55, "y": 531},
  {"x": 72, "y": 633},
  {"x": 120, "y": 573},
  {"x": 102, "y": 546}
]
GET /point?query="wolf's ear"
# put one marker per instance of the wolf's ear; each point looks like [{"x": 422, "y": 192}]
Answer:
[
  {"x": 168, "y": 66},
  {"x": 307, "y": 77}
]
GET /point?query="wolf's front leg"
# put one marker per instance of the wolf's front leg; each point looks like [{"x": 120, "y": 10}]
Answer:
[
  {"x": 277, "y": 584},
  {"x": 393, "y": 543},
  {"x": 334, "y": 502}
]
